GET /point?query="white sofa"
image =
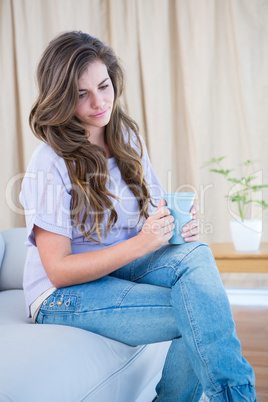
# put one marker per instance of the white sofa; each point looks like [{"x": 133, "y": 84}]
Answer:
[{"x": 47, "y": 363}]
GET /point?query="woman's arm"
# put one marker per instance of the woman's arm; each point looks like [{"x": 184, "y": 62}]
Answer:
[{"x": 65, "y": 269}]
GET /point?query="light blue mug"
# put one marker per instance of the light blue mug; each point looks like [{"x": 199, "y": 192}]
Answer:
[{"x": 180, "y": 205}]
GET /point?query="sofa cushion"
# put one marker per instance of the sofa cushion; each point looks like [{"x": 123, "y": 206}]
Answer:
[
  {"x": 66, "y": 364},
  {"x": 13, "y": 308},
  {"x": 11, "y": 273},
  {"x": 2, "y": 250}
]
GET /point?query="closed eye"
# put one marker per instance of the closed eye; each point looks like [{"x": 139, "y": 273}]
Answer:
[
  {"x": 104, "y": 86},
  {"x": 82, "y": 95}
]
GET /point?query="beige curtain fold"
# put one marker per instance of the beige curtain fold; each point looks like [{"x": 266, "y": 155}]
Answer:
[{"x": 197, "y": 85}]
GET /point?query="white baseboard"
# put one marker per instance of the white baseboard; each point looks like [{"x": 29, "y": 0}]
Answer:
[{"x": 248, "y": 296}]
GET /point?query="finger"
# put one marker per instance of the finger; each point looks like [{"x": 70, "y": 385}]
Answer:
[
  {"x": 191, "y": 238},
  {"x": 169, "y": 228},
  {"x": 191, "y": 233},
  {"x": 167, "y": 237},
  {"x": 162, "y": 203},
  {"x": 161, "y": 212},
  {"x": 194, "y": 209},
  {"x": 163, "y": 223},
  {"x": 159, "y": 229},
  {"x": 166, "y": 221},
  {"x": 191, "y": 225}
]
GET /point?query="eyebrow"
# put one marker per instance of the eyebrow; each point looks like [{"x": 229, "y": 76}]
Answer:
[{"x": 102, "y": 82}]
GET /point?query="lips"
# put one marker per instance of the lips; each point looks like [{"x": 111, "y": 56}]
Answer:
[{"x": 97, "y": 116}]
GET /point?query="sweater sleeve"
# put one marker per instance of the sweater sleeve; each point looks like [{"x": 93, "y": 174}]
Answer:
[{"x": 46, "y": 194}]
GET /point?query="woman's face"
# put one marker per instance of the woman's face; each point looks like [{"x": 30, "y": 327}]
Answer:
[{"x": 96, "y": 98}]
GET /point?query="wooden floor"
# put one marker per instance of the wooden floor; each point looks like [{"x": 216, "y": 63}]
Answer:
[{"x": 252, "y": 330}]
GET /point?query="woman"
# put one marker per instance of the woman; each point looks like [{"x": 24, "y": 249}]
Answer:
[{"x": 98, "y": 233}]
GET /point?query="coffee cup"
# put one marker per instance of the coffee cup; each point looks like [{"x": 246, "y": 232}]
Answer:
[{"x": 180, "y": 205}]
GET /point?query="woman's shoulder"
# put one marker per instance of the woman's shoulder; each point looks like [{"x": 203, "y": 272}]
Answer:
[
  {"x": 44, "y": 157},
  {"x": 46, "y": 167},
  {"x": 43, "y": 150}
]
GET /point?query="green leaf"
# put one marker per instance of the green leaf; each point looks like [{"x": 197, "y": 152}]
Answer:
[
  {"x": 213, "y": 160},
  {"x": 262, "y": 203},
  {"x": 247, "y": 163},
  {"x": 237, "y": 198},
  {"x": 217, "y": 171},
  {"x": 255, "y": 188},
  {"x": 248, "y": 202},
  {"x": 221, "y": 171},
  {"x": 234, "y": 180},
  {"x": 251, "y": 178},
  {"x": 221, "y": 158}
]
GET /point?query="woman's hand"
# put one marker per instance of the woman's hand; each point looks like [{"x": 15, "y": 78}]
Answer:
[
  {"x": 190, "y": 232},
  {"x": 157, "y": 229}
]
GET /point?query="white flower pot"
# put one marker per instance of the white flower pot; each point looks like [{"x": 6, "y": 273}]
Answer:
[{"x": 246, "y": 235}]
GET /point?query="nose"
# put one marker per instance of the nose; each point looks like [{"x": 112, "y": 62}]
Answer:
[{"x": 97, "y": 101}]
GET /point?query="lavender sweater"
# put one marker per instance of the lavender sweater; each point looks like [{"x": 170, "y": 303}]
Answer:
[{"x": 46, "y": 198}]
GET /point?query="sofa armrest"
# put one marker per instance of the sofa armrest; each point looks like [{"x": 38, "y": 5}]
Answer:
[
  {"x": 13, "y": 253},
  {"x": 2, "y": 250}
]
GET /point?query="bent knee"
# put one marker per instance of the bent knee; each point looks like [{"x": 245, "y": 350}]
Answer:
[{"x": 201, "y": 254}]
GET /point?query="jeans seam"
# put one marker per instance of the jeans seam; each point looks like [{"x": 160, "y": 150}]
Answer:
[
  {"x": 155, "y": 269},
  {"x": 192, "y": 324},
  {"x": 123, "y": 295},
  {"x": 190, "y": 252},
  {"x": 235, "y": 387},
  {"x": 40, "y": 315},
  {"x": 174, "y": 267},
  {"x": 196, "y": 335},
  {"x": 121, "y": 307},
  {"x": 149, "y": 264},
  {"x": 132, "y": 270},
  {"x": 195, "y": 391}
]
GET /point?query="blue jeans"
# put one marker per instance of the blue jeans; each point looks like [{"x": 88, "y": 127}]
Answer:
[{"x": 173, "y": 294}]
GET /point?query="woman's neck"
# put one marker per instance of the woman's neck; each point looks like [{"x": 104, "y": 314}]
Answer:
[{"x": 97, "y": 137}]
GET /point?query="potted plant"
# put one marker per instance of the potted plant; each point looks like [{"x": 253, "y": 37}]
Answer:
[{"x": 246, "y": 230}]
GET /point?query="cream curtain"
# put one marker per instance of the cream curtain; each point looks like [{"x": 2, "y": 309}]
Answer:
[{"x": 197, "y": 84}]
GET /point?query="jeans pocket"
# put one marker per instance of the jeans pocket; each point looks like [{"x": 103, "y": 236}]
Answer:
[
  {"x": 39, "y": 318},
  {"x": 59, "y": 304}
]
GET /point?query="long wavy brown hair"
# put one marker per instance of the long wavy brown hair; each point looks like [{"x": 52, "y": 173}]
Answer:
[{"x": 53, "y": 120}]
